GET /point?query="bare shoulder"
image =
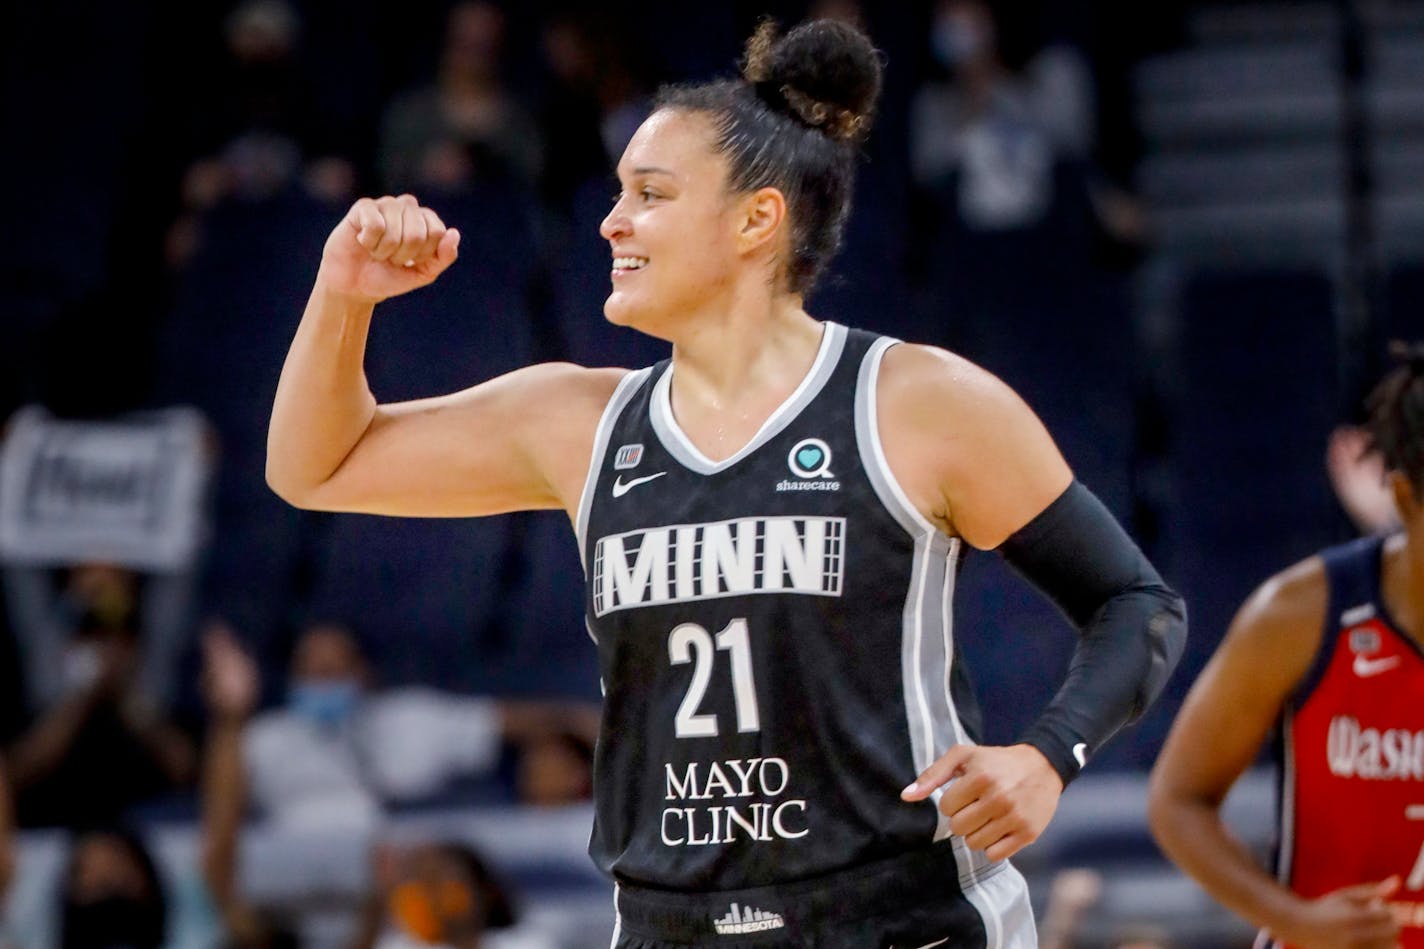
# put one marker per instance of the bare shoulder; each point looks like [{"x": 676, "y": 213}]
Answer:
[
  {"x": 1285, "y": 615},
  {"x": 1238, "y": 697},
  {"x": 961, "y": 440},
  {"x": 559, "y": 406},
  {"x": 939, "y": 393},
  {"x": 916, "y": 369}
]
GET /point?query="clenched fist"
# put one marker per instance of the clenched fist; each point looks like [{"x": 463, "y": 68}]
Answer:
[{"x": 385, "y": 247}]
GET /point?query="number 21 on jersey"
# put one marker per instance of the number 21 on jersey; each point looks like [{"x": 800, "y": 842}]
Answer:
[{"x": 692, "y": 643}]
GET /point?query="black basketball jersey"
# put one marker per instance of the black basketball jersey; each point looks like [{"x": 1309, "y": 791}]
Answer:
[{"x": 775, "y": 640}]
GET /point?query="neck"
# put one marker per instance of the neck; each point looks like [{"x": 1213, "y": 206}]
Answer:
[
  {"x": 1403, "y": 583},
  {"x": 464, "y": 83},
  {"x": 980, "y": 78},
  {"x": 735, "y": 351},
  {"x": 735, "y": 365}
]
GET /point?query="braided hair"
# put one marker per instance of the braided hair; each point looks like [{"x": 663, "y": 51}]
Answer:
[
  {"x": 794, "y": 121},
  {"x": 1396, "y": 415}
]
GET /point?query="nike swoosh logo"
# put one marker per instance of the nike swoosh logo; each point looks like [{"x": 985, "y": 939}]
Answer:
[
  {"x": 1080, "y": 751},
  {"x": 621, "y": 488},
  {"x": 1364, "y": 668}
]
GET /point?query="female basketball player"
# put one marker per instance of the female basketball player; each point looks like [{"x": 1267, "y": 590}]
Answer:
[
  {"x": 1329, "y": 649},
  {"x": 770, "y": 523}
]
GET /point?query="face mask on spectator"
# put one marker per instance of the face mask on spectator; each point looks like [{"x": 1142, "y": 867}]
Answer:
[
  {"x": 82, "y": 665},
  {"x": 112, "y": 922},
  {"x": 325, "y": 704},
  {"x": 955, "y": 40}
]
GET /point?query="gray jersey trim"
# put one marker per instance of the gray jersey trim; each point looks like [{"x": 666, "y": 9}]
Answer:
[
  {"x": 1286, "y": 853},
  {"x": 627, "y": 386},
  {"x": 927, "y": 644},
  {"x": 677, "y": 443},
  {"x": 1002, "y": 900},
  {"x": 872, "y": 453}
]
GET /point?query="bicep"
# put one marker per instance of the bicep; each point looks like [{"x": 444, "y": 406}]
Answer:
[
  {"x": 517, "y": 442},
  {"x": 1018, "y": 473}
]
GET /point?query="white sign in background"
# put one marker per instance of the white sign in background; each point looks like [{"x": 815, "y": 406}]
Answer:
[{"x": 128, "y": 491}]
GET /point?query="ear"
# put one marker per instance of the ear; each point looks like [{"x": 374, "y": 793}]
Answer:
[
  {"x": 760, "y": 217},
  {"x": 1406, "y": 501}
]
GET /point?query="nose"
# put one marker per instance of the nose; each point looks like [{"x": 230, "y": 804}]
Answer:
[{"x": 615, "y": 223}]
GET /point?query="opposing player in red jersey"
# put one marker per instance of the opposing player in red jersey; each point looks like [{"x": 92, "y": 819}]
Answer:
[{"x": 1331, "y": 651}]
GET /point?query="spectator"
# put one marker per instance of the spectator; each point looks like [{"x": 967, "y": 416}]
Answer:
[
  {"x": 1074, "y": 893},
  {"x": 596, "y": 101},
  {"x": 434, "y": 893},
  {"x": 266, "y": 133},
  {"x": 339, "y": 750},
  {"x": 440, "y": 894},
  {"x": 467, "y": 124},
  {"x": 555, "y": 768},
  {"x": 102, "y": 745},
  {"x": 45, "y": 606},
  {"x": 112, "y": 897},
  {"x": 1000, "y": 131},
  {"x": 230, "y": 686}
]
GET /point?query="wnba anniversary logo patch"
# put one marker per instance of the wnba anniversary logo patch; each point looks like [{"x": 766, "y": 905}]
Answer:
[
  {"x": 810, "y": 460},
  {"x": 628, "y": 457}
]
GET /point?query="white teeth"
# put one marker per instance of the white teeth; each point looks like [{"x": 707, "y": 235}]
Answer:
[{"x": 629, "y": 263}]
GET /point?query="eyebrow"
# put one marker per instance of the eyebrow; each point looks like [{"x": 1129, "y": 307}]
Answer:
[{"x": 652, "y": 170}]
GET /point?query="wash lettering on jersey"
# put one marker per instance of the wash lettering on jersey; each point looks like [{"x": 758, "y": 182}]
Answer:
[
  {"x": 1374, "y": 754},
  {"x": 689, "y": 562}
]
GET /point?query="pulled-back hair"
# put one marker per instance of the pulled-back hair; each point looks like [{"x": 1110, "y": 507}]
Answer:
[
  {"x": 1396, "y": 415},
  {"x": 794, "y": 122}
]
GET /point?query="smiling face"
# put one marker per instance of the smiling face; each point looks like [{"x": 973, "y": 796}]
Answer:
[{"x": 673, "y": 230}]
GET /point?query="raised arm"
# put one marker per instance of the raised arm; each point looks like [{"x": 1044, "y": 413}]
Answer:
[
  {"x": 977, "y": 462},
  {"x": 1225, "y": 718},
  {"x": 230, "y": 685},
  {"x": 7, "y": 834},
  {"x": 520, "y": 441}
]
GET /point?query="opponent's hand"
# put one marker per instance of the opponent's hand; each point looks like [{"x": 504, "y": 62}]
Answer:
[
  {"x": 1358, "y": 477},
  {"x": 998, "y": 799},
  {"x": 385, "y": 247},
  {"x": 1353, "y": 917}
]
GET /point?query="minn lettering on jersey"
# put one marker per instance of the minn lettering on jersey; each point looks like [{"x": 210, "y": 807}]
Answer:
[{"x": 684, "y": 562}]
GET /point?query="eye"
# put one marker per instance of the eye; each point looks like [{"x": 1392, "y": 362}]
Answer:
[{"x": 648, "y": 194}]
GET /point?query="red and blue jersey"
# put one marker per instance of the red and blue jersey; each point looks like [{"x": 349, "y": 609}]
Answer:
[{"x": 1352, "y": 746}]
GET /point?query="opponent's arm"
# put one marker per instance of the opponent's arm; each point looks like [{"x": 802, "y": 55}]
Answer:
[
  {"x": 977, "y": 461},
  {"x": 520, "y": 441},
  {"x": 1225, "y": 718}
]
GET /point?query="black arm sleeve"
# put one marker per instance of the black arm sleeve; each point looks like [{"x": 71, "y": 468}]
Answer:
[{"x": 1133, "y": 627}]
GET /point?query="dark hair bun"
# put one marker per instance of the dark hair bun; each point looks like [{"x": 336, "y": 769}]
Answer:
[{"x": 825, "y": 73}]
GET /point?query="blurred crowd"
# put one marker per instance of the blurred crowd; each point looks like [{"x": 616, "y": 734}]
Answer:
[{"x": 317, "y": 673}]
